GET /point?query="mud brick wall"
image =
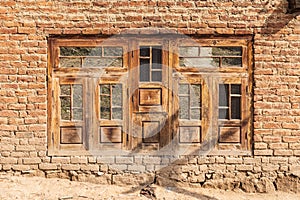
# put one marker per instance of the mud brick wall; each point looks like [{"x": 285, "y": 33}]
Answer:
[{"x": 274, "y": 162}]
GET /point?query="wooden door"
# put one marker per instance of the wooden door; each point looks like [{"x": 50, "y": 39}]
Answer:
[{"x": 149, "y": 95}]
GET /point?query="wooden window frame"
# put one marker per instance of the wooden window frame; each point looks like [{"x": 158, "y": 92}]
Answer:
[
  {"x": 208, "y": 78},
  {"x": 212, "y": 77}
]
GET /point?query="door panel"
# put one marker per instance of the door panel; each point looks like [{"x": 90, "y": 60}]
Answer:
[{"x": 150, "y": 95}]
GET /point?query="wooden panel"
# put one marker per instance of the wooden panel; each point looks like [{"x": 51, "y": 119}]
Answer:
[
  {"x": 111, "y": 134},
  {"x": 150, "y": 96},
  {"x": 71, "y": 135},
  {"x": 151, "y": 132},
  {"x": 189, "y": 134},
  {"x": 229, "y": 134}
]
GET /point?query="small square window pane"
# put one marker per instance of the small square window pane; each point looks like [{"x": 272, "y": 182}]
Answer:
[
  {"x": 105, "y": 89},
  {"x": 113, "y": 51},
  {"x": 196, "y": 113},
  {"x": 232, "y": 62},
  {"x": 157, "y": 76},
  {"x": 117, "y": 113},
  {"x": 145, "y": 51},
  {"x": 235, "y": 89},
  {"x": 183, "y": 89},
  {"x": 185, "y": 51},
  {"x": 105, "y": 113},
  {"x": 77, "y": 113},
  {"x": 116, "y": 62},
  {"x": 70, "y": 62},
  {"x": 65, "y": 89},
  {"x": 223, "y": 113},
  {"x": 206, "y": 51}
]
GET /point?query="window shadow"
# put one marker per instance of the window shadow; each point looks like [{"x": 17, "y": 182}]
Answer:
[{"x": 278, "y": 19}]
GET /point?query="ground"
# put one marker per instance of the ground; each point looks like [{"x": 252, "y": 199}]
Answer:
[{"x": 13, "y": 187}]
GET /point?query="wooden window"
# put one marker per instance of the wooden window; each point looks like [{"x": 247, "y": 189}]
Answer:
[
  {"x": 71, "y": 105},
  {"x": 111, "y": 99},
  {"x": 101, "y": 56},
  {"x": 150, "y": 63},
  {"x": 145, "y": 93},
  {"x": 190, "y": 101},
  {"x": 218, "y": 113},
  {"x": 211, "y": 57}
]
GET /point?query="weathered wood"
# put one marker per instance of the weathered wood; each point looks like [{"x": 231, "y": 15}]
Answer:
[{"x": 144, "y": 104}]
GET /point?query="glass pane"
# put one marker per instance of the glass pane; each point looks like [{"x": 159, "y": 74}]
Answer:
[
  {"x": 223, "y": 114},
  {"x": 70, "y": 62},
  {"x": 104, "y": 89},
  {"x": 183, "y": 89},
  {"x": 184, "y": 107},
  {"x": 231, "y": 62},
  {"x": 206, "y": 51},
  {"x": 144, "y": 70},
  {"x": 199, "y": 62},
  {"x": 145, "y": 51},
  {"x": 182, "y": 62},
  {"x": 80, "y": 51},
  {"x": 227, "y": 51},
  {"x": 156, "y": 57},
  {"x": 77, "y": 114},
  {"x": 195, "y": 96},
  {"x": 65, "y": 108},
  {"x": 188, "y": 51},
  {"x": 116, "y": 62},
  {"x": 157, "y": 76},
  {"x": 235, "y": 108},
  {"x": 65, "y": 89},
  {"x": 77, "y": 96},
  {"x": 195, "y": 113},
  {"x": 102, "y": 62},
  {"x": 113, "y": 51},
  {"x": 117, "y": 113},
  {"x": 105, "y": 107},
  {"x": 117, "y": 95},
  {"x": 96, "y": 51},
  {"x": 223, "y": 95},
  {"x": 235, "y": 89}
]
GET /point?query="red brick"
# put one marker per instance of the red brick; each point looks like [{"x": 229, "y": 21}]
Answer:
[
  {"x": 291, "y": 138},
  {"x": 263, "y": 152},
  {"x": 271, "y": 138},
  {"x": 283, "y": 152}
]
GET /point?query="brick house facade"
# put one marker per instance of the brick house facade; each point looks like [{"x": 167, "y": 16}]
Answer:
[{"x": 271, "y": 159}]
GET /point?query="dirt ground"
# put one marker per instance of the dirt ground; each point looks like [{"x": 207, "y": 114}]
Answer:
[{"x": 12, "y": 187}]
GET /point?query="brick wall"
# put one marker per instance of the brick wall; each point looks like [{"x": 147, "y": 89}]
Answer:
[{"x": 26, "y": 24}]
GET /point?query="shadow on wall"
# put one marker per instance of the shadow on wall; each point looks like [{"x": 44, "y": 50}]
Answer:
[
  {"x": 278, "y": 18},
  {"x": 274, "y": 23}
]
